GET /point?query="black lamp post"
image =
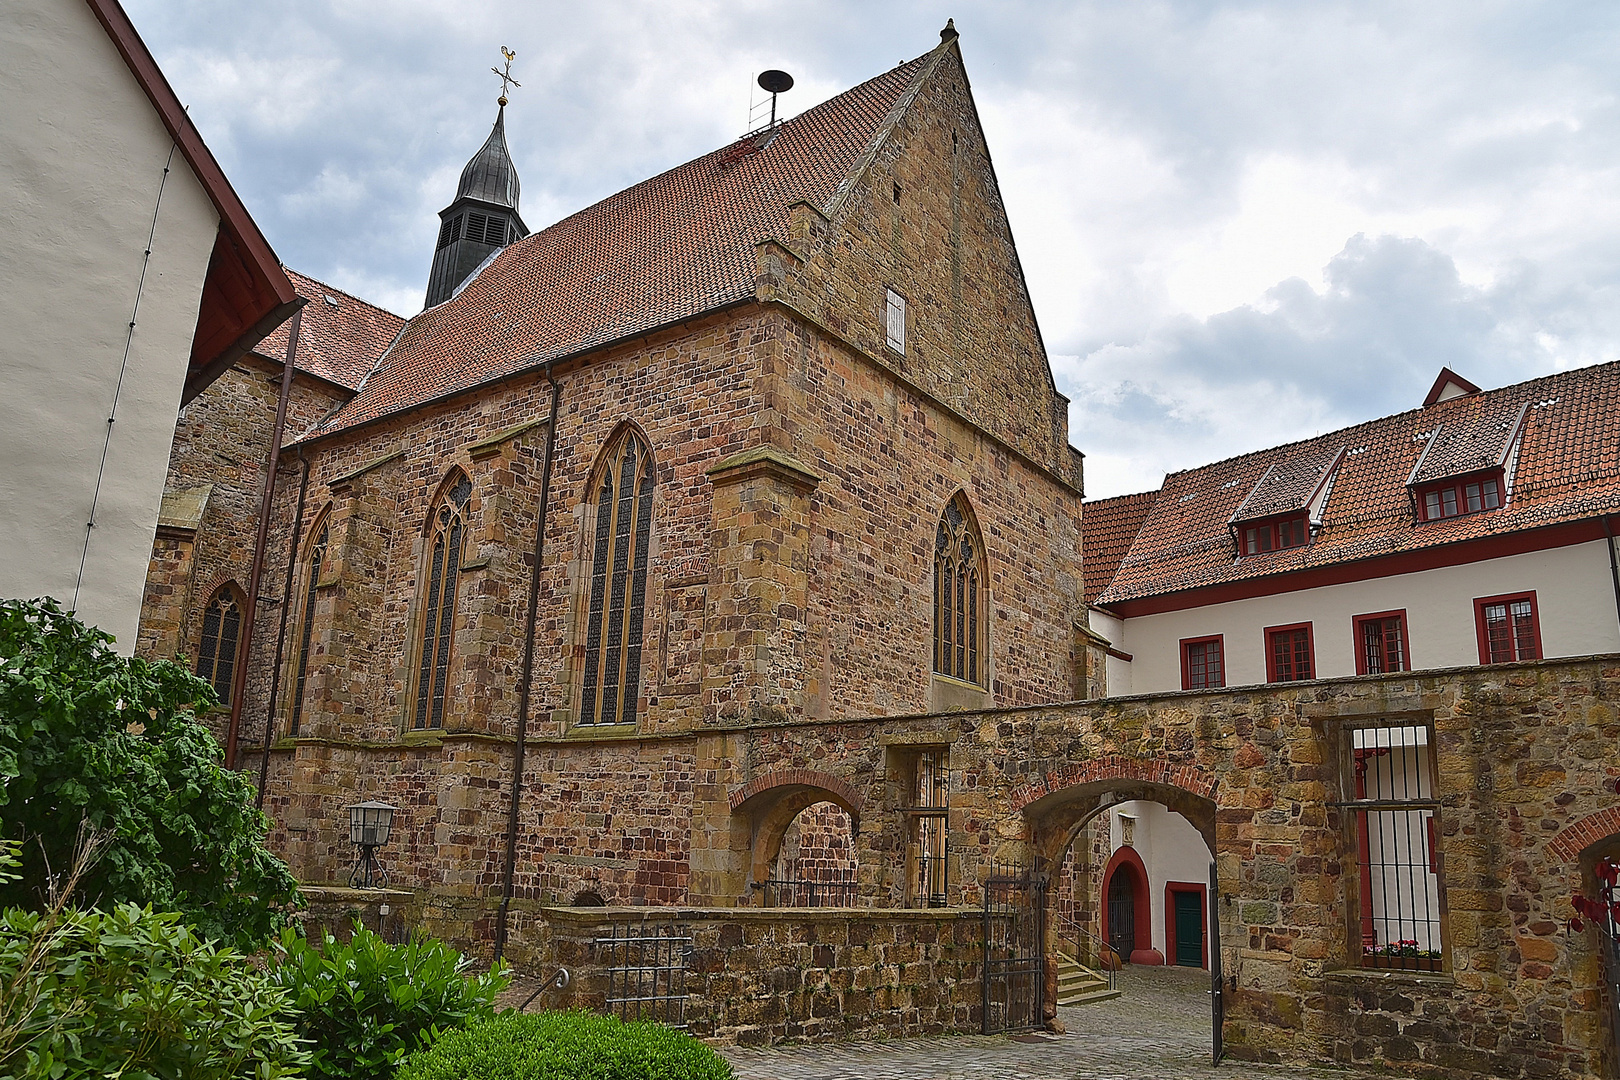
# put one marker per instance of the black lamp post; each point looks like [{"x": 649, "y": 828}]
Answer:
[{"x": 369, "y": 826}]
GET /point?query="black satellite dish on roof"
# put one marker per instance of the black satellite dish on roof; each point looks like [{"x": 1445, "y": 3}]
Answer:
[{"x": 775, "y": 82}]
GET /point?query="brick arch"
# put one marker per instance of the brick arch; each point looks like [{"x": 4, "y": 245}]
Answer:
[
  {"x": 838, "y": 791},
  {"x": 1577, "y": 836},
  {"x": 1190, "y": 778}
]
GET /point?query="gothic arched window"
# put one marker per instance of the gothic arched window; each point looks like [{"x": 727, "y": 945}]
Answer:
[
  {"x": 221, "y": 635},
  {"x": 959, "y": 608},
  {"x": 613, "y": 632},
  {"x": 447, "y": 529},
  {"x": 312, "y": 578}
]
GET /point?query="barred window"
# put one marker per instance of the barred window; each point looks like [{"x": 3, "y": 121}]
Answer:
[
  {"x": 1399, "y": 873},
  {"x": 959, "y": 615},
  {"x": 618, "y": 587},
  {"x": 449, "y": 526},
  {"x": 929, "y": 854},
  {"x": 221, "y": 634},
  {"x": 312, "y": 578},
  {"x": 1381, "y": 643}
]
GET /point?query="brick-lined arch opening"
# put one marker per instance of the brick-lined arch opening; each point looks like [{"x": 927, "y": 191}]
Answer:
[
  {"x": 1579, "y": 847},
  {"x": 773, "y": 802}
]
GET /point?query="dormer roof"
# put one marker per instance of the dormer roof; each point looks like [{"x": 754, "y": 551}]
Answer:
[
  {"x": 1558, "y": 437},
  {"x": 1291, "y": 485},
  {"x": 1447, "y": 385}
]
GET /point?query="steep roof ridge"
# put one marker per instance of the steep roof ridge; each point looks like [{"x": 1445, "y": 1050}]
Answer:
[
  {"x": 857, "y": 172},
  {"x": 1471, "y": 401},
  {"x": 329, "y": 287}
]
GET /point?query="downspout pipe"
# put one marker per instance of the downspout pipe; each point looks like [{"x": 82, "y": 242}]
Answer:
[
  {"x": 256, "y": 572},
  {"x": 1614, "y": 567},
  {"x": 527, "y": 671},
  {"x": 281, "y": 634}
]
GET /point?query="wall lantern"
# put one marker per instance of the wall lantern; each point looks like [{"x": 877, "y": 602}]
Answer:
[{"x": 369, "y": 826}]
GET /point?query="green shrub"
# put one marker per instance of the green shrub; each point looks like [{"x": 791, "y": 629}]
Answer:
[
  {"x": 91, "y": 737},
  {"x": 566, "y": 1046},
  {"x": 365, "y": 1004},
  {"x": 137, "y": 994}
]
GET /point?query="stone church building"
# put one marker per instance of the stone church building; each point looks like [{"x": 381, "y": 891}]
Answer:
[{"x": 726, "y": 537}]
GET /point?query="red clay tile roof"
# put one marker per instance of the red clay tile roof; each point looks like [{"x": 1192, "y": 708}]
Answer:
[
  {"x": 1471, "y": 443},
  {"x": 671, "y": 247},
  {"x": 1107, "y": 529},
  {"x": 1289, "y": 485},
  {"x": 1567, "y": 469},
  {"x": 340, "y": 341}
]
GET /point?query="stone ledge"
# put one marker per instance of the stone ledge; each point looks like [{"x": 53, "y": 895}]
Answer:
[
  {"x": 585, "y": 915},
  {"x": 491, "y": 446},
  {"x": 760, "y": 461},
  {"x": 1438, "y": 980}
]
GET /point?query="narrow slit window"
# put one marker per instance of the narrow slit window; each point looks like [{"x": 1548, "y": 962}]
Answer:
[
  {"x": 959, "y": 615},
  {"x": 221, "y": 637},
  {"x": 895, "y": 321},
  {"x": 446, "y": 544},
  {"x": 312, "y": 578},
  {"x": 616, "y": 609},
  {"x": 929, "y": 843}
]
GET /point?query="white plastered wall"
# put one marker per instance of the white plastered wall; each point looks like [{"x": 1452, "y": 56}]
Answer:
[
  {"x": 82, "y": 154},
  {"x": 1170, "y": 848},
  {"x": 1575, "y": 602}
]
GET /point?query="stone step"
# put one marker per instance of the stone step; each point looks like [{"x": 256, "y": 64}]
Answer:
[{"x": 1079, "y": 985}]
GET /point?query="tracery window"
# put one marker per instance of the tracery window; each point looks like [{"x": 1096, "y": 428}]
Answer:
[
  {"x": 959, "y": 615},
  {"x": 221, "y": 635},
  {"x": 613, "y": 631},
  {"x": 312, "y": 578},
  {"x": 447, "y": 532}
]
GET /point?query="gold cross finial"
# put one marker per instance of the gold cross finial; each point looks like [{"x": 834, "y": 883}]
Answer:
[{"x": 506, "y": 76}]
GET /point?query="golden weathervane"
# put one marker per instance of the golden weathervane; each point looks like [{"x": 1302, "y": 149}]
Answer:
[{"x": 506, "y": 76}]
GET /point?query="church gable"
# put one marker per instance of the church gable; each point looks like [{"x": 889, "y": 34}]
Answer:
[{"x": 913, "y": 263}]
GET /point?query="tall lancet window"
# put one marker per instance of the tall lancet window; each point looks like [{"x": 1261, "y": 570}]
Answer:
[
  {"x": 447, "y": 530},
  {"x": 613, "y": 632},
  {"x": 312, "y": 578},
  {"x": 959, "y": 607},
  {"x": 221, "y": 635}
]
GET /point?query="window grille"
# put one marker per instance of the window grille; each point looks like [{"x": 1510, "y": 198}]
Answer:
[
  {"x": 929, "y": 837},
  {"x": 645, "y": 968},
  {"x": 1289, "y": 654},
  {"x": 1509, "y": 631},
  {"x": 894, "y": 321},
  {"x": 1203, "y": 666},
  {"x": 221, "y": 634},
  {"x": 959, "y": 614},
  {"x": 1399, "y": 866},
  {"x": 1381, "y": 641},
  {"x": 317, "y": 555},
  {"x": 439, "y": 614},
  {"x": 614, "y": 631}
]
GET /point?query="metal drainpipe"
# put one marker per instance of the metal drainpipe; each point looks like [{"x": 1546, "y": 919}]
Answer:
[
  {"x": 527, "y": 671},
  {"x": 1614, "y": 567},
  {"x": 250, "y": 617},
  {"x": 281, "y": 634}
]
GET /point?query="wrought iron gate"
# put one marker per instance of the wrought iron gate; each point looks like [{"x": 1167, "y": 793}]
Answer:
[
  {"x": 1217, "y": 1003},
  {"x": 1014, "y": 949},
  {"x": 645, "y": 965}
]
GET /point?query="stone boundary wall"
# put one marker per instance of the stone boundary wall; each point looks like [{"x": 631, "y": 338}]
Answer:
[{"x": 761, "y": 976}]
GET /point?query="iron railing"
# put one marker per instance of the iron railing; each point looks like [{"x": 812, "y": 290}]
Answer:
[
  {"x": 809, "y": 892},
  {"x": 645, "y": 965},
  {"x": 1090, "y": 951},
  {"x": 1014, "y": 941}
]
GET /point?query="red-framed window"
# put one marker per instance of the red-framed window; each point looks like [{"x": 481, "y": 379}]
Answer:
[
  {"x": 1203, "y": 663},
  {"x": 1290, "y": 653},
  {"x": 1257, "y": 538},
  {"x": 1509, "y": 628},
  {"x": 1465, "y": 495},
  {"x": 1381, "y": 645}
]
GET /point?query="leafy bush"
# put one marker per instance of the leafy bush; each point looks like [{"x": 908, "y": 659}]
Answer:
[
  {"x": 366, "y": 1004},
  {"x": 566, "y": 1046},
  {"x": 87, "y": 735},
  {"x": 134, "y": 993}
]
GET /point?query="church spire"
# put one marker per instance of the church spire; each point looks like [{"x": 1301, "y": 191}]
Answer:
[{"x": 483, "y": 217}]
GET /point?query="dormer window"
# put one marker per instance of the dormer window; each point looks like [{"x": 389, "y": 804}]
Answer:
[
  {"x": 1453, "y": 498},
  {"x": 1277, "y": 535}
]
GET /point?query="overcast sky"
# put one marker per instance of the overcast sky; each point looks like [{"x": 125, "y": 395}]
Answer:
[{"x": 1242, "y": 223}]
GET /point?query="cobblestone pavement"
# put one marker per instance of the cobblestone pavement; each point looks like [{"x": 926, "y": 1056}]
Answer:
[{"x": 1159, "y": 1028}]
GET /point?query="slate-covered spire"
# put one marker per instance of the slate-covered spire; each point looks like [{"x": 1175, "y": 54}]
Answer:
[{"x": 482, "y": 219}]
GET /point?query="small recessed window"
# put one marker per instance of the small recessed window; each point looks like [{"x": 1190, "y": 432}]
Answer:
[
  {"x": 897, "y": 194},
  {"x": 1276, "y": 535},
  {"x": 895, "y": 321}
]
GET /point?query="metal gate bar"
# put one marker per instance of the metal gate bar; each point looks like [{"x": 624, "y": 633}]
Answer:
[
  {"x": 646, "y": 972},
  {"x": 1014, "y": 940},
  {"x": 1217, "y": 1002}
]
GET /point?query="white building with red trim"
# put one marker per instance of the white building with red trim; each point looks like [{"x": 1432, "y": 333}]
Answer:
[{"x": 1475, "y": 529}]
